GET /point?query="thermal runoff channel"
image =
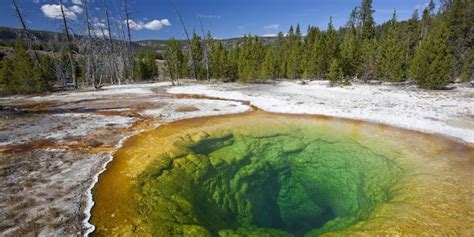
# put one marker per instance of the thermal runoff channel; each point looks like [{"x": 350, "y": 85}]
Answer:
[{"x": 265, "y": 174}]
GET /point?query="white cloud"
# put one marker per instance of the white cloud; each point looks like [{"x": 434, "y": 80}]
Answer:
[
  {"x": 154, "y": 25},
  {"x": 165, "y": 22},
  {"x": 151, "y": 25},
  {"x": 54, "y": 11},
  {"x": 36, "y": 1},
  {"x": 77, "y": 2},
  {"x": 76, "y": 9},
  {"x": 272, "y": 27}
]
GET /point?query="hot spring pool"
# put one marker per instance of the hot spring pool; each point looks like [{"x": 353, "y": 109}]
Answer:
[{"x": 263, "y": 174}]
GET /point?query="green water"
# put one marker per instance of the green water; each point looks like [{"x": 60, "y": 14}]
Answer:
[{"x": 297, "y": 183}]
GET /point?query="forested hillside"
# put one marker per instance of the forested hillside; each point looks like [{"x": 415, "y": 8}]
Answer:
[{"x": 433, "y": 48}]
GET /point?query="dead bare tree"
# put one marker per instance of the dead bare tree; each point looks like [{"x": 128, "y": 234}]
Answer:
[
  {"x": 69, "y": 45},
  {"x": 115, "y": 71},
  {"x": 102, "y": 57},
  {"x": 193, "y": 57},
  {"x": 29, "y": 38},
  {"x": 129, "y": 42},
  {"x": 90, "y": 49},
  {"x": 206, "y": 50},
  {"x": 123, "y": 43}
]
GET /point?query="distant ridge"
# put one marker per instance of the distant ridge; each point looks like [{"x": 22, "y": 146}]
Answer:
[{"x": 9, "y": 35}]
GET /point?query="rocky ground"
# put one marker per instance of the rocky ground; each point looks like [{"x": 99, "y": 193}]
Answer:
[{"x": 53, "y": 147}]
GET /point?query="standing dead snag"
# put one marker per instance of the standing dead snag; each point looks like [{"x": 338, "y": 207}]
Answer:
[
  {"x": 206, "y": 51},
  {"x": 115, "y": 70},
  {"x": 193, "y": 57},
  {"x": 91, "y": 49},
  {"x": 27, "y": 33},
  {"x": 129, "y": 42},
  {"x": 69, "y": 45}
]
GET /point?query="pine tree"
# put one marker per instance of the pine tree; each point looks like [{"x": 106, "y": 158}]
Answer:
[
  {"x": 218, "y": 57},
  {"x": 198, "y": 56},
  {"x": 291, "y": 33},
  {"x": 368, "y": 49},
  {"x": 6, "y": 75},
  {"x": 308, "y": 63},
  {"x": 459, "y": 15},
  {"x": 427, "y": 19},
  {"x": 281, "y": 54},
  {"x": 392, "y": 53},
  {"x": 268, "y": 65},
  {"x": 311, "y": 35},
  {"x": 176, "y": 60},
  {"x": 431, "y": 7},
  {"x": 298, "y": 35},
  {"x": 146, "y": 67},
  {"x": 335, "y": 73},
  {"x": 250, "y": 59},
  {"x": 232, "y": 64},
  {"x": 294, "y": 53},
  {"x": 413, "y": 34},
  {"x": 468, "y": 66},
  {"x": 23, "y": 70},
  {"x": 321, "y": 53},
  {"x": 332, "y": 43},
  {"x": 433, "y": 63},
  {"x": 45, "y": 74},
  {"x": 320, "y": 56},
  {"x": 20, "y": 75},
  {"x": 350, "y": 53},
  {"x": 367, "y": 19},
  {"x": 294, "y": 68},
  {"x": 351, "y": 57},
  {"x": 367, "y": 33}
]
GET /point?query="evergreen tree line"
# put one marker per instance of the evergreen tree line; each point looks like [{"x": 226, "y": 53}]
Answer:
[
  {"x": 20, "y": 75},
  {"x": 432, "y": 49}
]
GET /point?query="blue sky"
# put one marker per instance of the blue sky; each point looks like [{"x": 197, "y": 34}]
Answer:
[{"x": 156, "y": 19}]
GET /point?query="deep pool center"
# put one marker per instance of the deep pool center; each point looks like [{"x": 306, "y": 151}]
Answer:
[
  {"x": 257, "y": 174},
  {"x": 290, "y": 183}
]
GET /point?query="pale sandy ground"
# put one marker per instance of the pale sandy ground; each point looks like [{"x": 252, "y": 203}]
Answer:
[
  {"x": 445, "y": 112},
  {"x": 53, "y": 147}
]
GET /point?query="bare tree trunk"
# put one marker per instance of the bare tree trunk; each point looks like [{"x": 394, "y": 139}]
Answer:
[
  {"x": 123, "y": 48},
  {"x": 91, "y": 63},
  {"x": 115, "y": 69},
  {"x": 130, "y": 52},
  {"x": 69, "y": 45},
  {"x": 206, "y": 51},
  {"x": 193, "y": 57},
  {"x": 27, "y": 33}
]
